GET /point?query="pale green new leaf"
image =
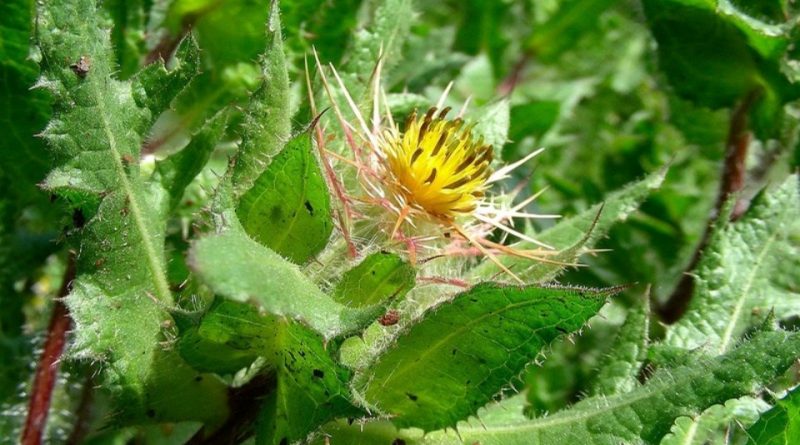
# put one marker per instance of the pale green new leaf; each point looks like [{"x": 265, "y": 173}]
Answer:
[
  {"x": 237, "y": 267},
  {"x": 746, "y": 271},
  {"x": 712, "y": 425},
  {"x": 461, "y": 354}
]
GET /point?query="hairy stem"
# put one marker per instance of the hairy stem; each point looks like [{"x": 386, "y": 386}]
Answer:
[{"x": 47, "y": 369}]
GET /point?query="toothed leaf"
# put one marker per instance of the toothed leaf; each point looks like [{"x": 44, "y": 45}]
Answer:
[
  {"x": 463, "y": 353},
  {"x": 121, "y": 286},
  {"x": 747, "y": 270},
  {"x": 267, "y": 125}
]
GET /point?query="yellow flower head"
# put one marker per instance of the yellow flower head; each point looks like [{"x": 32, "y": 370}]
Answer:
[
  {"x": 436, "y": 165},
  {"x": 430, "y": 182}
]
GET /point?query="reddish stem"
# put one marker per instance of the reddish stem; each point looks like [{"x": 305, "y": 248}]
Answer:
[
  {"x": 47, "y": 369},
  {"x": 733, "y": 178}
]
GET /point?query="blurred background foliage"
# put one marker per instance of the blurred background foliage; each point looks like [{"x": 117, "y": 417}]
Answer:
[{"x": 613, "y": 89}]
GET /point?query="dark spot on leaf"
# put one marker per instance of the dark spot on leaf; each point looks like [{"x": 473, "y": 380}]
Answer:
[
  {"x": 275, "y": 213},
  {"x": 318, "y": 373},
  {"x": 127, "y": 159},
  {"x": 454, "y": 351},
  {"x": 284, "y": 441},
  {"x": 372, "y": 272},
  {"x": 398, "y": 442},
  {"x": 151, "y": 413},
  {"x": 99, "y": 263},
  {"x": 198, "y": 378},
  {"x": 81, "y": 67},
  {"x": 412, "y": 397},
  {"x": 310, "y": 208}
]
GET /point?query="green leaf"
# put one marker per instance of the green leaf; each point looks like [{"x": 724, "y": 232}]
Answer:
[
  {"x": 643, "y": 415},
  {"x": 288, "y": 207},
  {"x": 746, "y": 271},
  {"x": 121, "y": 287},
  {"x": 736, "y": 55},
  {"x": 493, "y": 124},
  {"x": 267, "y": 125},
  {"x": 463, "y": 353},
  {"x": 325, "y": 26},
  {"x": 379, "y": 278},
  {"x": 571, "y": 236},
  {"x": 780, "y": 425},
  {"x": 228, "y": 337},
  {"x": 712, "y": 425},
  {"x": 177, "y": 171},
  {"x": 155, "y": 87},
  {"x": 619, "y": 369},
  {"x": 382, "y": 37},
  {"x": 237, "y": 267},
  {"x": 311, "y": 389},
  {"x": 562, "y": 31}
]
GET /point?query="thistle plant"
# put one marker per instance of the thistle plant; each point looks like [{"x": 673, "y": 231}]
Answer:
[{"x": 396, "y": 222}]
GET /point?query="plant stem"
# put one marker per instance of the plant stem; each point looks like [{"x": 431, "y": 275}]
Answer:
[
  {"x": 732, "y": 181},
  {"x": 47, "y": 369}
]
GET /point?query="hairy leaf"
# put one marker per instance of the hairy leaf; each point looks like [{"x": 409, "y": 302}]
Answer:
[
  {"x": 237, "y": 267},
  {"x": 380, "y": 277},
  {"x": 228, "y": 337},
  {"x": 23, "y": 111},
  {"x": 463, "y": 353},
  {"x": 712, "y": 425},
  {"x": 288, "y": 207},
  {"x": 121, "y": 286},
  {"x": 267, "y": 126},
  {"x": 128, "y": 33},
  {"x": 155, "y": 87},
  {"x": 619, "y": 369},
  {"x": 177, "y": 171},
  {"x": 747, "y": 270},
  {"x": 643, "y": 415}
]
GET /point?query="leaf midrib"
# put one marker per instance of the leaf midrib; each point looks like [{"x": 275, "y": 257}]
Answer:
[
  {"x": 436, "y": 346},
  {"x": 153, "y": 262}
]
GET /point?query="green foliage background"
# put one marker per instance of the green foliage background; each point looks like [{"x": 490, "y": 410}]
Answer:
[{"x": 170, "y": 147}]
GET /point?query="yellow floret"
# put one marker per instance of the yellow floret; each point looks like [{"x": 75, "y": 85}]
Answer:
[{"x": 436, "y": 165}]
